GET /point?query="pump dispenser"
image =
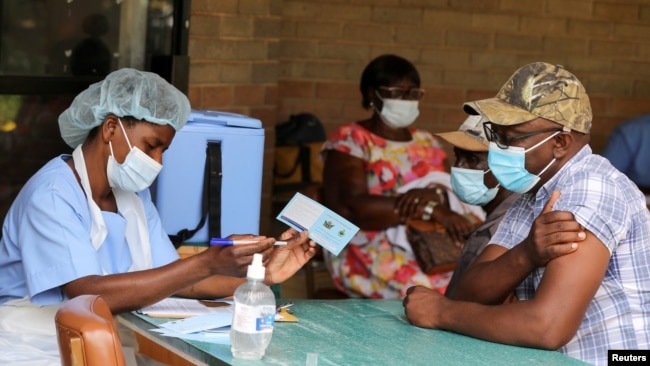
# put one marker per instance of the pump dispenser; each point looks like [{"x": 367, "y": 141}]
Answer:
[
  {"x": 253, "y": 315},
  {"x": 256, "y": 269}
]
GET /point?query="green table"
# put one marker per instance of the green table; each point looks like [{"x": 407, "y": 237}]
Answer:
[{"x": 356, "y": 332}]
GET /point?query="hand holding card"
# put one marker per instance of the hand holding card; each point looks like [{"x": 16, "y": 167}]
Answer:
[{"x": 326, "y": 227}]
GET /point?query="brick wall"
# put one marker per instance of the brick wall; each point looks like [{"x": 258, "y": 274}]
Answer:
[
  {"x": 234, "y": 53},
  {"x": 271, "y": 58},
  {"x": 465, "y": 50}
]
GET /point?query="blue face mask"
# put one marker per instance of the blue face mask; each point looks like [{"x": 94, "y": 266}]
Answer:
[
  {"x": 509, "y": 166},
  {"x": 469, "y": 187}
]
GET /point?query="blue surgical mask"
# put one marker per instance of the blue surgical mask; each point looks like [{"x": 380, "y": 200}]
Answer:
[
  {"x": 137, "y": 172},
  {"x": 469, "y": 187},
  {"x": 509, "y": 166}
]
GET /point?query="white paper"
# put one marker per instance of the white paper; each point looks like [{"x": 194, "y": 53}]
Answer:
[
  {"x": 174, "y": 307},
  {"x": 199, "y": 323}
]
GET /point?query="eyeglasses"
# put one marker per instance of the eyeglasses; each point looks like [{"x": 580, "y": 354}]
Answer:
[
  {"x": 395, "y": 92},
  {"x": 504, "y": 141}
]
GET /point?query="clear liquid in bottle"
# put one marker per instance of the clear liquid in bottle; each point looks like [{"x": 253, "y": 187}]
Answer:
[{"x": 253, "y": 316}]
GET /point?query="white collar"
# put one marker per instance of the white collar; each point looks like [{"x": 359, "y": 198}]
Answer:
[{"x": 130, "y": 206}]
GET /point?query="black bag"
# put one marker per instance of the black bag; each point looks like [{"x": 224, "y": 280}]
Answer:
[
  {"x": 301, "y": 128},
  {"x": 297, "y": 148}
]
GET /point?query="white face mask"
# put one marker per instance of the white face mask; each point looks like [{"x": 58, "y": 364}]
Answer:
[
  {"x": 137, "y": 172},
  {"x": 398, "y": 113}
]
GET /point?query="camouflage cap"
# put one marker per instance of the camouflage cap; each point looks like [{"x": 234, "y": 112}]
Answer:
[
  {"x": 538, "y": 90},
  {"x": 470, "y": 135}
]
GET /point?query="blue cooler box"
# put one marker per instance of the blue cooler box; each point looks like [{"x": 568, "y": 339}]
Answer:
[{"x": 178, "y": 190}]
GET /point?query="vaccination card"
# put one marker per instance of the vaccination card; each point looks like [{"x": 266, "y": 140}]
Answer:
[{"x": 325, "y": 226}]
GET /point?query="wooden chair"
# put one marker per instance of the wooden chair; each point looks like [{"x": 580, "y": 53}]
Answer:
[{"x": 87, "y": 334}]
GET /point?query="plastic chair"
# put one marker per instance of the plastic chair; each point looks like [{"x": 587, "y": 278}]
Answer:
[{"x": 87, "y": 334}]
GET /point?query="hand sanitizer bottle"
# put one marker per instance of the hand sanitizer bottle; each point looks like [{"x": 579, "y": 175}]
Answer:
[{"x": 254, "y": 314}]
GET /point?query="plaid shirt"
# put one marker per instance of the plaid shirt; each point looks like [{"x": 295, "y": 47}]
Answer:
[{"x": 610, "y": 206}]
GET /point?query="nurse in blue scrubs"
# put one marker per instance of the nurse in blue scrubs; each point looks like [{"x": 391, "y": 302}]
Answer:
[{"x": 85, "y": 223}]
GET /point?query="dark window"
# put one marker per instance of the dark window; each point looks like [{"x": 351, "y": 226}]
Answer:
[{"x": 50, "y": 50}]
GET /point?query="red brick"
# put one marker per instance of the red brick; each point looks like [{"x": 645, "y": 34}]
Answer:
[
  {"x": 353, "y": 112},
  {"x": 254, "y": 7},
  {"x": 422, "y": 36},
  {"x": 632, "y": 107},
  {"x": 474, "y": 5},
  {"x": 445, "y": 95},
  {"x": 608, "y": 48},
  {"x": 319, "y": 30},
  {"x": 632, "y": 69},
  {"x": 547, "y": 26},
  {"x": 565, "y": 46},
  {"x": 452, "y": 118},
  {"x": 614, "y": 86},
  {"x": 248, "y": 95},
  {"x": 640, "y": 32},
  {"x": 320, "y": 108},
  {"x": 475, "y": 40},
  {"x": 396, "y": 15},
  {"x": 590, "y": 28},
  {"x": 599, "y": 105},
  {"x": 495, "y": 22},
  {"x": 217, "y": 95},
  {"x": 616, "y": 11},
  {"x": 292, "y": 89},
  {"x": 522, "y": 6},
  {"x": 570, "y": 8},
  {"x": 345, "y": 12},
  {"x": 271, "y": 95},
  {"x": 194, "y": 95},
  {"x": 488, "y": 60},
  {"x": 266, "y": 114},
  {"x": 338, "y": 90},
  {"x": 518, "y": 43},
  {"x": 642, "y": 89}
]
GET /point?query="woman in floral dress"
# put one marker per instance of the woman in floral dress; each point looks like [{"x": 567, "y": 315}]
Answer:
[{"x": 366, "y": 163}]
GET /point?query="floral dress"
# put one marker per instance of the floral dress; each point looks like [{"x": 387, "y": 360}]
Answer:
[{"x": 371, "y": 266}]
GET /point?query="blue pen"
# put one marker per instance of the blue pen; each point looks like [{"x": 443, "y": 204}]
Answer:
[{"x": 226, "y": 242}]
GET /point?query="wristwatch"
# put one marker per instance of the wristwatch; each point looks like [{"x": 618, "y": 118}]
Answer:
[{"x": 428, "y": 210}]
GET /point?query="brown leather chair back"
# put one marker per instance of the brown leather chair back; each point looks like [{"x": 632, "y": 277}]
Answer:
[{"x": 87, "y": 334}]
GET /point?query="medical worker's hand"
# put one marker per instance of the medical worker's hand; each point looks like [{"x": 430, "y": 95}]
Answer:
[
  {"x": 233, "y": 260},
  {"x": 287, "y": 259}
]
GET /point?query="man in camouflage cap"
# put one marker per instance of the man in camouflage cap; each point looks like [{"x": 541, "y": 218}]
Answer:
[
  {"x": 590, "y": 294},
  {"x": 538, "y": 90}
]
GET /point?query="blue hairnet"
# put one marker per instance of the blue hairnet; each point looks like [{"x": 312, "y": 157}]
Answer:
[{"x": 125, "y": 92}]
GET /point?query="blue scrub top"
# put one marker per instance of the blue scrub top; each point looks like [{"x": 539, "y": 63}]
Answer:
[{"x": 46, "y": 238}]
